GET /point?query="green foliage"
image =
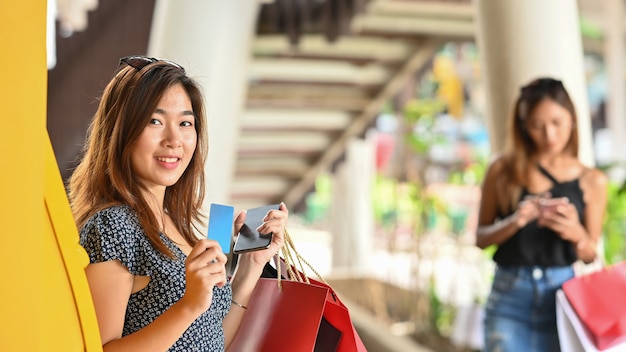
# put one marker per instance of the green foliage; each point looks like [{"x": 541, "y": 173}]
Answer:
[
  {"x": 442, "y": 314},
  {"x": 318, "y": 202},
  {"x": 590, "y": 30},
  {"x": 423, "y": 111},
  {"x": 476, "y": 171},
  {"x": 400, "y": 203},
  {"x": 420, "y": 115},
  {"x": 615, "y": 224},
  {"x": 385, "y": 202}
]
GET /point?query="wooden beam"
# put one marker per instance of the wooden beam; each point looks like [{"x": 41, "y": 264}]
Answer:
[
  {"x": 294, "y": 119},
  {"x": 418, "y": 60},
  {"x": 346, "y": 48},
  {"x": 358, "y": 61},
  {"x": 278, "y": 89},
  {"x": 309, "y": 154},
  {"x": 412, "y": 26},
  {"x": 305, "y": 97},
  {"x": 429, "y": 9},
  {"x": 259, "y": 187},
  {"x": 300, "y": 82},
  {"x": 342, "y": 104},
  {"x": 304, "y": 141},
  {"x": 315, "y": 71},
  {"x": 284, "y": 166}
]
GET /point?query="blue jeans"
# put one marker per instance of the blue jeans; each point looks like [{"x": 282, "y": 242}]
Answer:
[{"x": 520, "y": 314}]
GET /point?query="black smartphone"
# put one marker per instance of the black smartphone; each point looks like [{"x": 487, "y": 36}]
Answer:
[{"x": 249, "y": 239}]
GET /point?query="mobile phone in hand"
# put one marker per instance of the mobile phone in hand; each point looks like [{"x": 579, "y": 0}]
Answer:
[
  {"x": 249, "y": 239},
  {"x": 550, "y": 204}
]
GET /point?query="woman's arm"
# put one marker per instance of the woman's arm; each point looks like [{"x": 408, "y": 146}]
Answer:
[
  {"x": 489, "y": 230},
  {"x": 111, "y": 286},
  {"x": 595, "y": 192},
  {"x": 564, "y": 220},
  {"x": 244, "y": 280},
  {"x": 250, "y": 267}
]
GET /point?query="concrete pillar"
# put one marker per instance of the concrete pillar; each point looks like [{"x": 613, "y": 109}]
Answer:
[
  {"x": 211, "y": 39},
  {"x": 522, "y": 40},
  {"x": 339, "y": 225},
  {"x": 352, "y": 214},
  {"x": 614, "y": 59}
]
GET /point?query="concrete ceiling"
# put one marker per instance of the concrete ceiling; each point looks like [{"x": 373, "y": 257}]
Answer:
[{"x": 305, "y": 102}]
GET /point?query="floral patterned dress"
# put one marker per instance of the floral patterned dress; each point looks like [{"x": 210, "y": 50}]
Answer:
[{"x": 116, "y": 234}]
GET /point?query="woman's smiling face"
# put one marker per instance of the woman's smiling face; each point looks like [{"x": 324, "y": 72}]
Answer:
[{"x": 165, "y": 147}]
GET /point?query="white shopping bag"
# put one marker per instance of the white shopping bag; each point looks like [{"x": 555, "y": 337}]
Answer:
[
  {"x": 467, "y": 329},
  {"x": 573, "y": 335}
]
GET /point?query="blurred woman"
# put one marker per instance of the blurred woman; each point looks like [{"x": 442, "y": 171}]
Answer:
[{"x": 543, "y": 209}]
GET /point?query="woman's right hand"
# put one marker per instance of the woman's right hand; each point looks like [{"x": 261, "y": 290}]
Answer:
[
  {"x": 205, "y": 268},
  {"x": 527, "y": 211}
]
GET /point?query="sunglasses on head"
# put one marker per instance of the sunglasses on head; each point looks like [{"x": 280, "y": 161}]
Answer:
[
  {"x": 541, "y": 85},
  {"x": 139, "y": 62}
]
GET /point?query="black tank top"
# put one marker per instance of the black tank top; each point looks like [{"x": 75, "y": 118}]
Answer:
[{"x": 534, "y": 245}]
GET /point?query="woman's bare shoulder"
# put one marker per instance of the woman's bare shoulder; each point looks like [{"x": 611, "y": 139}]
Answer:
[
  {"x": 593, "y": 179},
  {"x": 496, "y": 166}
]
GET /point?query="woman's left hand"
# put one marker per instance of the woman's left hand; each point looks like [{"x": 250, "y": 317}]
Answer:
[
  {"x": 563, "y": 219},
  {"x": 275, "y": 222}
]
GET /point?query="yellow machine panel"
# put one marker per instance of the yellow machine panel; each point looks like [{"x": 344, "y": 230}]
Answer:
[{"x": 45, "y": 303}]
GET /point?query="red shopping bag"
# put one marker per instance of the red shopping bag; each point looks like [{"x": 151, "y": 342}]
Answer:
[
  {"x": 299, "y": 316},
  {"x": 281, "y": 319},
  {"x": 598, "y": 300},
  {"x": 335, "y": 312},
  {"x": 338, "y": 316},
  {"x": 291, "y": 312}
]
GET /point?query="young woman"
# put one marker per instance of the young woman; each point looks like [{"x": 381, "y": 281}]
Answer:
[
  {"x": 543, "y": 210},
  {"x": 157, "y": 286}
]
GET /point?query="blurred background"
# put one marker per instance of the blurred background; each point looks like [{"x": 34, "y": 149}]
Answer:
[{"x": 373, "y": 120}]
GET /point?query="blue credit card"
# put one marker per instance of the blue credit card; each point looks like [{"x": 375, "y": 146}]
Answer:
[{"x": 221, "y": 225}]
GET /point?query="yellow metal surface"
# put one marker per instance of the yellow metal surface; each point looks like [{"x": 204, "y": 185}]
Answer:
[
  {"x": 45, "y": 303},
  {"x": 64, "y": 275}
]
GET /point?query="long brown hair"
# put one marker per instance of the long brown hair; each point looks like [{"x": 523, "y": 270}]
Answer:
[
  {"x": 104, "y": 177},
  {"x": 521, "y": 148}
]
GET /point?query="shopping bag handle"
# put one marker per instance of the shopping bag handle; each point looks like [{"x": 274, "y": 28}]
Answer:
[{"x": 290, "y": 257}]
